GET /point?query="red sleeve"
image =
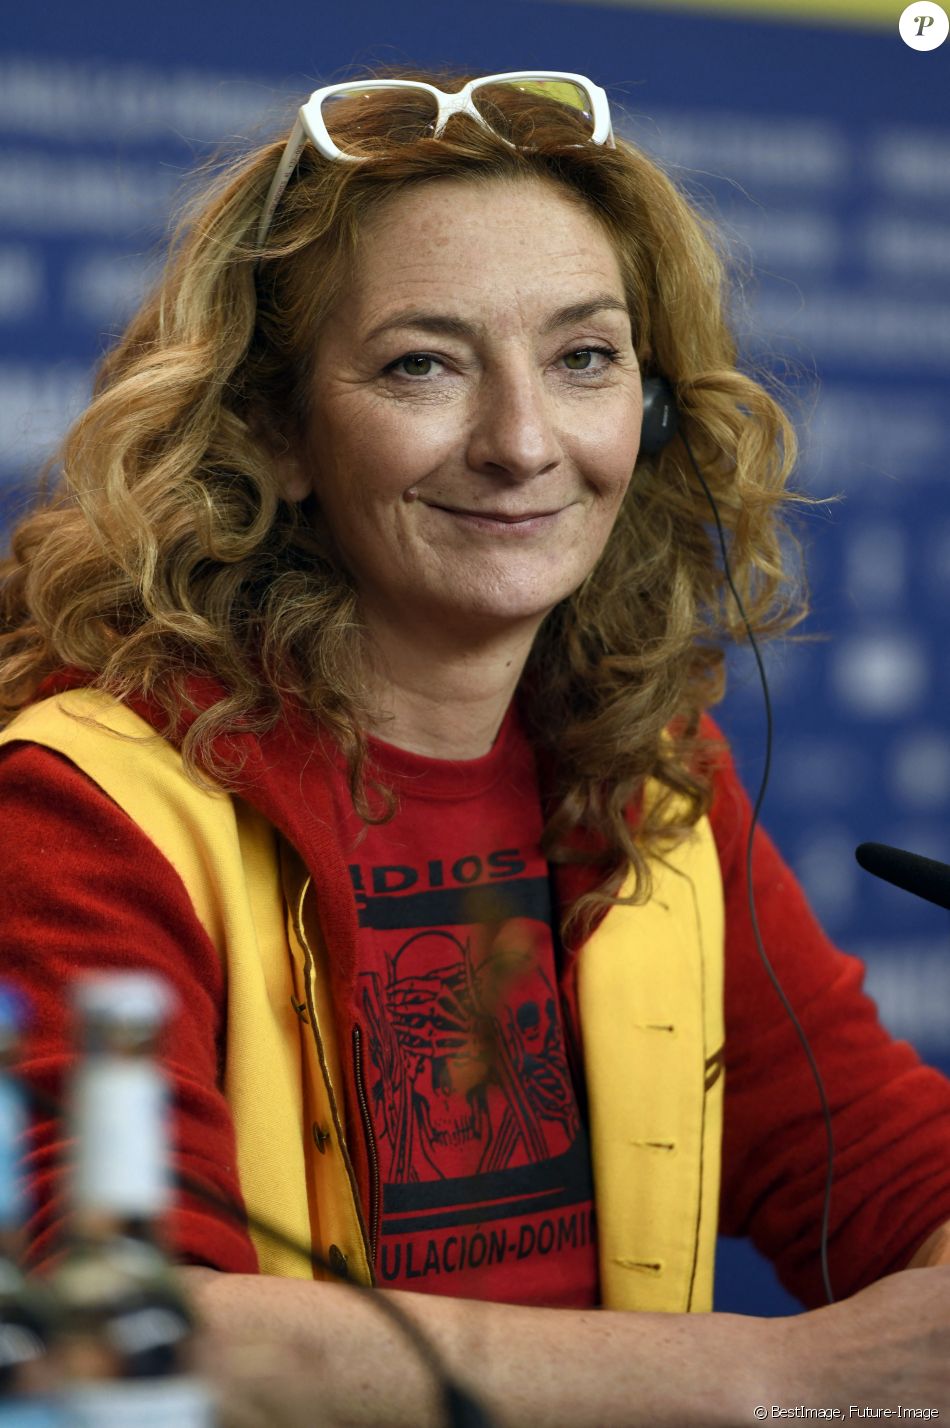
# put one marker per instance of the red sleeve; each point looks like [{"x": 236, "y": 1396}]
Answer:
[
  {"x": 891, "y": 1114},
  {"x": 82, "y": 887}
]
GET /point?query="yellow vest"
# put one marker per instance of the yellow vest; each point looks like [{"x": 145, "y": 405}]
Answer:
[{"x": 650, "y": 992}]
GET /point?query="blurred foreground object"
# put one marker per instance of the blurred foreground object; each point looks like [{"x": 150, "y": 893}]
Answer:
[
  {"x": 125, "y": 1329},
  {"x": 26, "y": 1311}
]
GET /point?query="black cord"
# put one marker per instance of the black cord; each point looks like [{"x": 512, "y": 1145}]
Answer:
[
  {"x": 460, "y": 1408},
  {"x": 753, "y": 915}
]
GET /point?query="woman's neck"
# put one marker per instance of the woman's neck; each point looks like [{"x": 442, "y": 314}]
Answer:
[{"x": 443, "y": 701}]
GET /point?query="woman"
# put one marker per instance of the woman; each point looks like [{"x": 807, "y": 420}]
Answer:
[{"x": 436, "y": 843}]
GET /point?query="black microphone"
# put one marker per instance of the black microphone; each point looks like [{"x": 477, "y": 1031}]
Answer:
[{"x": 923, "y": 876}]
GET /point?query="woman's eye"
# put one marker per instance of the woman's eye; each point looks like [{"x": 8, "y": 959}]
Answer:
[
  {"x": 609, "y": 353},
  {"x": 413, "y": 362}
]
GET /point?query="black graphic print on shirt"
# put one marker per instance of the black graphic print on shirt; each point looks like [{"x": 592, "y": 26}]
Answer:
[
  {"x": 482, "y": 1155},
  {"x": 467, "y": 1044}
]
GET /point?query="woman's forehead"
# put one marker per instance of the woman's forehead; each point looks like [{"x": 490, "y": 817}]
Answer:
[
  {"x": 527, "y": 240},
  {"x": 456, "y": 207}
]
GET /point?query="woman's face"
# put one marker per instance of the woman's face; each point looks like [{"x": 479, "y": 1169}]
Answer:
[{"x": 469, "y": 443}]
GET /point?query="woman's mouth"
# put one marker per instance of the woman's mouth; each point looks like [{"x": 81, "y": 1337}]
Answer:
[{"x": 501, "y": 522}]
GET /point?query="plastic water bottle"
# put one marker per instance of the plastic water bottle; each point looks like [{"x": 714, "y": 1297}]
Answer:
[{"x": 126, "y": 1331}]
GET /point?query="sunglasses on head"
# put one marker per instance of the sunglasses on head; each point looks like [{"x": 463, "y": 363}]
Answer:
[{"x": 329, "y": 119}]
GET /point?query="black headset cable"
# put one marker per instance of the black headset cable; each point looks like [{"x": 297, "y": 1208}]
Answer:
[{"x": 753, "y": 915}]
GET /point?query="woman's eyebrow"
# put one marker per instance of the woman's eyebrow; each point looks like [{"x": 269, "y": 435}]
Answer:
[{"x": 446, "y": 325}]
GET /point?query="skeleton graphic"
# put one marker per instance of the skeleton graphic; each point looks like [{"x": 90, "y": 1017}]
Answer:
[{"x": 468, "y": 1054}]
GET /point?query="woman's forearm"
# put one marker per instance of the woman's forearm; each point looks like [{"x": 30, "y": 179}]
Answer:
[
  {"x": 327, "y": 1347},
  {"x": 530, "y": 1367}
]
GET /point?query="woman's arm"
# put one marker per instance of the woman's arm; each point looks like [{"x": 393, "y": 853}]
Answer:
[
  {"x": 891, "y": 1113},
  {"x": 338, "y": 1360},
  {"x": 531, "y": 1367},
  {"x": 83, "y": 889}
]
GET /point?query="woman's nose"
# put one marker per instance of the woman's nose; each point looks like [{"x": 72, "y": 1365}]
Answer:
[{"x": 514, "y": 426}]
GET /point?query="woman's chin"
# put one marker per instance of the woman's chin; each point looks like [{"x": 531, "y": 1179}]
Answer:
[{"x": 496, "y": 614}]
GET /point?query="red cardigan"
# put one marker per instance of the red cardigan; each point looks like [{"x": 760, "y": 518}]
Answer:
[{"x": 83, "y": 887}]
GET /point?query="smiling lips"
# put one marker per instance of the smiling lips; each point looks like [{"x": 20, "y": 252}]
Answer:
[{"x": 507, "y": 518}]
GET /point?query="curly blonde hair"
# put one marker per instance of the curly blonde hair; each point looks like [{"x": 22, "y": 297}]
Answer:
[{"x": 166, "y": 547}]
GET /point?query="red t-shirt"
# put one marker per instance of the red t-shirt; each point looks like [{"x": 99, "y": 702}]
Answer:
[{"x": 466, "y": 1079}]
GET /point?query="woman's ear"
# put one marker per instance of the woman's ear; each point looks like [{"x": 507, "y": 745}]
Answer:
[
  {"x": 285, "y": 456},
  {"x": 292, "y": 478}
]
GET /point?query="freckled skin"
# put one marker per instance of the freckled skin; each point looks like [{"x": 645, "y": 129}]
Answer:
[{"x": 505, "y": 421}]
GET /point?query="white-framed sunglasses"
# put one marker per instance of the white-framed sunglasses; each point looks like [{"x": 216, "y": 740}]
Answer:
[{"x": 315, "y": 119}]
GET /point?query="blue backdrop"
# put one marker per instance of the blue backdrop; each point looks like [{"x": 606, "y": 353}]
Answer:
[{"x": 825, "y": 152}]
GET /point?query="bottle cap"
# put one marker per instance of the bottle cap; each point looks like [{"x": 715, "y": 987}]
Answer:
[{"x": 123, "y": 999}]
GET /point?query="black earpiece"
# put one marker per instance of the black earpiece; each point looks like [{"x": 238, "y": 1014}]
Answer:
[{"x": 660, "y": 415}]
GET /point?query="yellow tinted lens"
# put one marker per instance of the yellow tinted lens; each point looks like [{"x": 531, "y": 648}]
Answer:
[
  {"x": 361, "y": 120},
  {"x": 490, "y": 98}
]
